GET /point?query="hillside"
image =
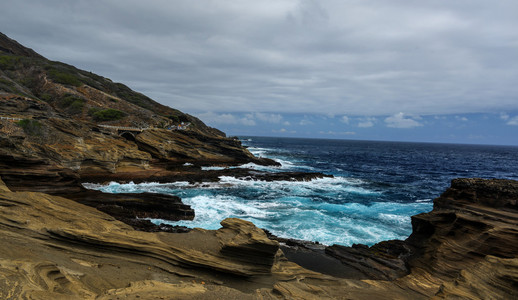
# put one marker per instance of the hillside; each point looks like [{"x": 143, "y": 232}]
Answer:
[
  {"x": 63, "y": 118},
  {"x": 82, "y": 95}
]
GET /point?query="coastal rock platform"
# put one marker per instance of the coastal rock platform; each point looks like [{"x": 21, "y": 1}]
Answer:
[{"x": 55, "y": 248}]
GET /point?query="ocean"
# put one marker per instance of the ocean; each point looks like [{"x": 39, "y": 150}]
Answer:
[{"x": 377, "y": 187}]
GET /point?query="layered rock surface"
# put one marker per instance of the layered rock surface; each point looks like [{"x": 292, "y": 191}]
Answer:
[
  {"x": 54, "y": 248},
  {"x": 473, "y": 219},
  {"x": 467, "y": 246}
]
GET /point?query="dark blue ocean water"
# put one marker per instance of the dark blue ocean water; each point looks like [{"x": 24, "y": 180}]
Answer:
[{"x": 376, "y": 188}]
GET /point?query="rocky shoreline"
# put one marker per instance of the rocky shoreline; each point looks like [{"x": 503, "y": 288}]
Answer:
[
  {"x": 56, "y": 248},
  {"x": 62, "y": 127}
]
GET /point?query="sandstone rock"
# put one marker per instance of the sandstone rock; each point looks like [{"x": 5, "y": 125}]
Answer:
[
  {"x": 55, "y": 248},
  {"x": 382, "y": 261},
  {"x": 193, "y": 147},
  {"x": 492, "y": 278},
  {"x": 130, "y": 206},
  {"x": 472, "y": 219},
  {"x": 244, "y": 242}
]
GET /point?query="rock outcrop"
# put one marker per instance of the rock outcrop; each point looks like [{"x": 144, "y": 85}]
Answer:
[
  {"x": 69, "y": 120},
  {"x": 473, "y": 219},
  {"x": 242, "y": 241},
  {"x": 467, "y": 246},
  {"x": 55, "y": 248},
  {"x": 382, "y": 261}
]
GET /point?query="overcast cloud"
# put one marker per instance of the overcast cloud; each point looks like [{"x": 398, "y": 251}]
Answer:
[{"x": 388, "y": 62}]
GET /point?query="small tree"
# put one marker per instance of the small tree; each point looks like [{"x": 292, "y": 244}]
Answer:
[
  {"x": 109, "y": 114},
  {"x": 31, "y": 127}
]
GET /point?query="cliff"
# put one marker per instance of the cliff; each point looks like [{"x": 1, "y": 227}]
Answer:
[
  {"x": 54, "y": 248},
  {"x": 59, "y": 124}
]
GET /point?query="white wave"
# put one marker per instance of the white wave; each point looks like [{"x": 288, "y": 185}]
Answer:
[
  {"x": 212, "y": 168},
  {"x": 326, "y": 184},
  {"x": 131, "y": 187},
  {"x": 289, "y": 208},
  {"x": 394, "y": 219},
  {"x": 285, "y": 165},
  {"x": 314, "y": 186},
  {"x": 210, "y": 210},
  {"x": 423, "y": 200}
]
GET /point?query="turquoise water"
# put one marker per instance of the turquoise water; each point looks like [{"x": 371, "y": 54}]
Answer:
[{"x": 377, "y": 187}]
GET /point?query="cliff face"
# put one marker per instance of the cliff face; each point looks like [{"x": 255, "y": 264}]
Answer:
[
  {"x": 54, "y": 248},
  {"x": 470, "y": 239},
  {"x": 55, "y": 119}
]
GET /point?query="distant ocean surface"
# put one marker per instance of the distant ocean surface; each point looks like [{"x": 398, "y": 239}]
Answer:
[{"x": 376, "y": 187}]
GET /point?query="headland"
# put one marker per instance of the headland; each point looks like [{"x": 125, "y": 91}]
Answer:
[{"x": 61, "y": 126}]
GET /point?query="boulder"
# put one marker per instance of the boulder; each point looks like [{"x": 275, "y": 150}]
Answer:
[{"x": 242, "y": 241}]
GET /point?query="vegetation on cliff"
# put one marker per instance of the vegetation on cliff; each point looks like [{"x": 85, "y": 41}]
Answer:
[
  {"x": 60, "y": 111},
  {"x": 74, "y": 92}
]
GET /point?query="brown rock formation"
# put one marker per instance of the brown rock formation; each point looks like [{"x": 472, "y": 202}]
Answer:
[
  {"x": 382, "y": 261},
  {"x": 54, "y": 248},
  {"x": 242, "y": 241},
  {"x": 471, "y": 220},
  {"x": 58, "y": 112}
]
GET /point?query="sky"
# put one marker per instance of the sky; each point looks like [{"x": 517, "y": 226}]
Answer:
[{"x": 427, "y": 71}]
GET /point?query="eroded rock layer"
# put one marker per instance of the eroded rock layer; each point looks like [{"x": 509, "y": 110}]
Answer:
[{"x": 55, "y": 248}]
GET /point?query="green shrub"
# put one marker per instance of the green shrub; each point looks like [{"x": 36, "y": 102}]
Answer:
[
  {"x": 72, "y": 104},
  {"x": 175, "y": 119},
  {"x": 108, "y": 115},
  {"x": 31, "y": 127},
  {"x": 7, "y": 85},
  {"x": 30, "y": 81},
  {"x": 184, "y": 118},
  {"x": 93, "y": 110},
  {"x": 76, "y": 107},
  {"x": 8, "y": 62},
  {"x": 46, "y": 97},
  {"x": 63, "y": 77}
]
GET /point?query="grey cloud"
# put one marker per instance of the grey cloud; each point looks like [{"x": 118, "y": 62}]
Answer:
[
  {"x": 341, "y": 57},
  {"x": 226, "y": 118}
]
